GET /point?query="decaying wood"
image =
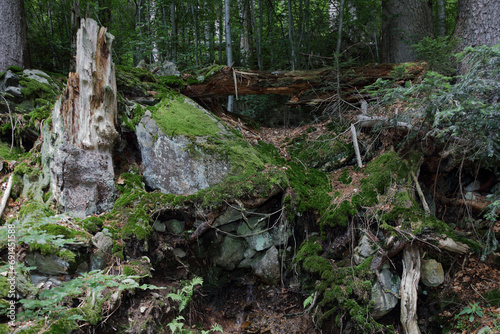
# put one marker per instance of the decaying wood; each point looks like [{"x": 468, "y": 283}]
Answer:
[
  {"x": 89, "y": 106},
  {"x": 372, "y": 121},
  {"x": 476, "y": 206},
  {"x": 356, "y": 147},
  {"x": 420, "y": 193},
  {"x": 321, "y": 83},
  {"x": 6, "y": 194},
  {"x": 409, "y": 285},
  {"x": 453, "y": 246}
]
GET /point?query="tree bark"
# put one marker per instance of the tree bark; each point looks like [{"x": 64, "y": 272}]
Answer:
[
  {"x": 404, "y": 22},
  {"x": 478, "y": 22},
  {"x": 441, "y": 18},
  {"x": 290, "y": 35},
  {"x": 13, "y": 35}
]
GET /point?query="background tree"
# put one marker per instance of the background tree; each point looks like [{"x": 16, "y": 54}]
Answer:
[
  {"x": 13, "y": 38},
  {"x": 478, "y": 22},
  {"x": 405, "y": 22}
]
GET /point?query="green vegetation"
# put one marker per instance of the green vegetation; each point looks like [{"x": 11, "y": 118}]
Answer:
[{"x": 343, "y": 289}]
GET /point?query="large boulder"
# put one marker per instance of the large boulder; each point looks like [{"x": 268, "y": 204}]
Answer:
[
  {"x": 176, "y": 160},
  {"x": 267, "y": 268}
]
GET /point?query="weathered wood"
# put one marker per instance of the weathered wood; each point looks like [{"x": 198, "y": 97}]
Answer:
[
  {"x": 321, "y": 83},
  {"x": 6, "y": 194},
  {"x": 409, "y": 285},
  {"x": 89, "y": 107},
  {"x": 84, "y": 121}
]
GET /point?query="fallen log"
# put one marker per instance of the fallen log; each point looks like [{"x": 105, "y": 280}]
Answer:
[{"x": 307, "y": 86}]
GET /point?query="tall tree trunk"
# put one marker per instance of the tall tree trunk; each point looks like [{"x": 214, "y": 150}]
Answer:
[
  {"x": 290, "y": 35},
  {"x": 196, "y": 33},
  {"x": 404, "y": 22},
  {"x": 259, "y": 39},
  {"x": 221, "y": 34},
  {"x": 13, "y": 36},
  {"x": 341, "y": 22},
  {"x": 441, "y": 17},
  {"x": 229, "y": 48},
  {"x": 478, "y": 22},
  {"x": 245, "y": 36},
  {"x": 173, "y": 35}
]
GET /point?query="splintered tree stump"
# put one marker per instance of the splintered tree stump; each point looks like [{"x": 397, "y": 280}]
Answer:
[{"x": 84, "y": 121}]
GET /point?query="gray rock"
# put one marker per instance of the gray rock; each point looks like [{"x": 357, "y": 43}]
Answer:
[
  {"x": 9, "y": 79},
  {"x": 100, "y": 259},
  {"x": 432, "y": 273},
  {"x": 231, "y": 215},
  {"x": 267, "y": 268},
  {"x": 175, "y": 226},
  {"x": 37, "y": 75},
  {"x": 38, "y": 279},
  {"x": 384, "y": 302},
  {"x": 15, "y": 91},
  {"x": 169, "y": 164},
  {"x": 179, "y": 253},
  {"x": 168, "y": 68},
  {"x": 159, "y": 226},
  {"x": 50, "y": 265},
  {"x": 231, "y": 253},
  {"x": 365, "y": 248}
]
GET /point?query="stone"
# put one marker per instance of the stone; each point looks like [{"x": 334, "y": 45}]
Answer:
[
  {"x": 100, "y": 259},
  {"x": 179, "y": 253},
  {"x": 36, "y": 280},
  {"x": 175, "y": 226},
  {"x": 231, "y": 253},
  {"x": 37, "y": 75},
  {"x": 229, "y": 216},
  {"x": 384, "y": 302},
  {"x": 168, "y": 68},
  {"x": 267, "y": 268},
  {"x": 159, "y": 226},
  {"x": 365, "y": 248},
  {"x": 432, "y": 273},
  {"x": 171, "y": 166},
  {"x": 50, "y": 264}
]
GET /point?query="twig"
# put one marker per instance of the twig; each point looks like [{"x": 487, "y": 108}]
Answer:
[
  {"x": 420, "y": 193},
  {"x": 6, "y": 194}
]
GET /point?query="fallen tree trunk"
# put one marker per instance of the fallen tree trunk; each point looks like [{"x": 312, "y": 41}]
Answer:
[
  {"x": 6, "y": 194},
  {"x": 307, "y": 86}
]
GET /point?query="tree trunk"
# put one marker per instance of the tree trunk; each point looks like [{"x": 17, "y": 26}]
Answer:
[
  {"x": 196, "y": 33},
  {"x": 84, "y": 121},
  {"x": 339, "y": 33},
  {"x": 404, "y": 22},
  {"x": 229, "y": 48},
  {"x": 75, "y": 24},
  {"x": 290, "y": 35},
  {"x": 478, "y": 22},
  {"x": 13, "y": 36},
  {"x": 441, "y": 18},
  {"x": 409, "y": 285},
  {"x": 173, "y": 36},
  {"x": 259, "y": 39}
]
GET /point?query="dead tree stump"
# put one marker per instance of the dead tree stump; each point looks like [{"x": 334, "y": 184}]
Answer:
[{"x": 84, "y": 120}]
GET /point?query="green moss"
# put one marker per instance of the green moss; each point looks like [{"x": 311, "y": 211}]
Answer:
[
  {"x": 34, "y": 89},
  {"x": 16, "y": 69},
  {"x": 25, "y": 169},
  {"x": 4, "y": 329},
  {"x": 178, "y": 117},
  {"x": 4, "y": 287},
  {"x": 92, "y": 224},
  {"x": 35, "y": 210},
  {"x": 138, "y": 225},
  {"x": 6, "y": 154},
  {"x": 343, "y": 291},
  {"x": 140, "y": 268}
]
